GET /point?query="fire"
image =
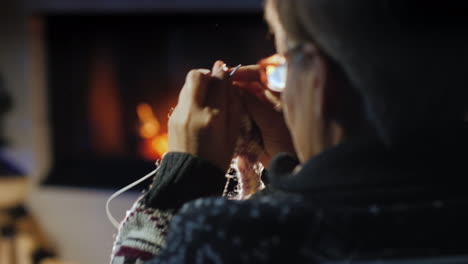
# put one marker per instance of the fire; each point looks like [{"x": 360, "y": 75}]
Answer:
[
  {"x": 159, "y": 144},
  {"x": 150, "y": 126},
  {"x": 154, "y": 142}
]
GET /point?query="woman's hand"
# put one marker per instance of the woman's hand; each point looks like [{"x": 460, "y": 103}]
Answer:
[
  {"x": 206, "y": 120},
  {"x": 264, "y": 106}
]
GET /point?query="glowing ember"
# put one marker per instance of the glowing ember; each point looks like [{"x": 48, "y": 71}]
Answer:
[{"x": 154, "y": 142}]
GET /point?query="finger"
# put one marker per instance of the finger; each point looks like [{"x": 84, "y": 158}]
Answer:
[
  {"x": 195, "y": 87},
  {"x": 248, "y": 73},
  {"x": 220, "y": 85},
  {"x": 252, "y": 88},
  {"x": 274, "y": 99},
  {"x": 220, "y": 70},
  {"x": 234, "y": 115},
  {"x": 254, "y": 105},
  {"x": 235, "y": 107}
]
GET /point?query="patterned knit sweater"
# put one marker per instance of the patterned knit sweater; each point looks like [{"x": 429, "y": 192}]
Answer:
[
  {"x": 182, "y": 178},
  {"x": 169, "y": 223},
  {"x": 358, "y": 200}
]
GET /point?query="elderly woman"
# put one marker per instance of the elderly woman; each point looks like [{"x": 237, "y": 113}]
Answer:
[{"x": 372, "y": 94}]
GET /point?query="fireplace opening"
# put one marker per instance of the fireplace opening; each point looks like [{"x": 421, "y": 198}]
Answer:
[{"x": 113, "y": 79}]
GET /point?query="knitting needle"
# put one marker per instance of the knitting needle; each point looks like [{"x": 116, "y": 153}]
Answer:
[{"x": 234, "y": 70}]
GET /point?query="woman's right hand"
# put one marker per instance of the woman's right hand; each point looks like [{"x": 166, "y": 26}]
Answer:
[{"x": 206, "y": 120}]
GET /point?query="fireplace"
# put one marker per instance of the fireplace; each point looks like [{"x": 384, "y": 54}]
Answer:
[{"x": 113, "y": 78}]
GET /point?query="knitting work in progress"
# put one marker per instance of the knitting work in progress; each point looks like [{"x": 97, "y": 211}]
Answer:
[{"x": 246, "y": 170}]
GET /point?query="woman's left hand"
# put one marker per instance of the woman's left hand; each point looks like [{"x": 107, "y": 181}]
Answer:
[{"x": 264, "y": 107}]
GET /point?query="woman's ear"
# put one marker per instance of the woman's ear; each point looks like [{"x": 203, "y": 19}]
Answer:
[
  {"x": 322, "y": 92},
  {"x": 324, "y": 98}
]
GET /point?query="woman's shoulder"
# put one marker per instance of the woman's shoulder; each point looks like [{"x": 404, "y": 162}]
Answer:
[
  {"x": 221, "y": 227},
  {"x": 269, "y": 211}
]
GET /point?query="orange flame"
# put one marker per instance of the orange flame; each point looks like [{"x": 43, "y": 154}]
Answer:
[{"x": 153, "y": 143}]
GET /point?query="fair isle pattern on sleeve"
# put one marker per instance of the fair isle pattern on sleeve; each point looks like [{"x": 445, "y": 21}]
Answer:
[
  {"x": 141, "y": 235},
  {"x": 257, "y": 231}
]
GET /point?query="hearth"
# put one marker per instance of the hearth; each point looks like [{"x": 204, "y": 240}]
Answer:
[{"x": 113, "y": 79}]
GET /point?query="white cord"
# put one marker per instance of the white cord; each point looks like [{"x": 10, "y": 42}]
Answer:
[{"x": 119, "y": 192}]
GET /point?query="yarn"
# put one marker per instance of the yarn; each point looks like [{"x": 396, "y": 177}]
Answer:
[{"x": 245, "y": 169}]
